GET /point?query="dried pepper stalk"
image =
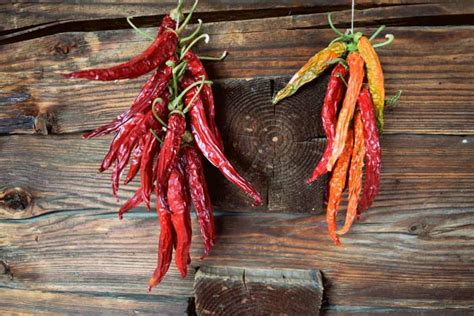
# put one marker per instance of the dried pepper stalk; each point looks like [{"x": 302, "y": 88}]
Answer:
[
  {"x": 355, "y": 57},
  {"x": 152, "y": 138}
]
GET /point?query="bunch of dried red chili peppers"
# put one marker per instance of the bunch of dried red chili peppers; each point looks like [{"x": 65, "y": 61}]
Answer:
[
  {"x": 162, "y": 136},
  {"x": 352, "y": 131}
]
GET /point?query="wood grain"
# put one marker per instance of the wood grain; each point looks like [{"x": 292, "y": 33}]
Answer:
[
  {"x": 236, "y": 291},
  {"x": 433, "y": 66},
  {"x": 384, "y": 262}
]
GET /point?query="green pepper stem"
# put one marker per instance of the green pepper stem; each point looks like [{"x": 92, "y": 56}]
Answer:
[
  {"x": 342, "y": 78},
  {"x": 139, "y": 32},
  {"x": 376, "y": 33},
  {"x": 188, "y": 107},
  {"x": 389, "y": 40},
  {"x": 156, "y": 136},
  {"x": 188, "y": 18},
  {"x": 186, "y": 49},
  {"x": 190, "y": 37},
  {"x": 393, "y": 100},
  {"x": 178, "y": 99},
  {"x": 157, "y": 117},
  {"x": 176, "y": 13},
  {"x": 338, "y": 61},
  {"x": 220, "y": 58},
  {"x": 333, "y": 27}
]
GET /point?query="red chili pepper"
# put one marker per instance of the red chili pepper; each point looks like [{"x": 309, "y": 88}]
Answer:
[
  {"x": 168, "y": 156},
  {"x": 332, "y": 99},
  {"x": 155, "y": 55},
  {"x": 197, "y": 70},
  {"x": 165, "y": 243},
  {"x": 178, "y": 200},
  {"x": 146, "y": 168},
  {"x": 207, "y": 144},
  {"x": 337, "y": 185},
  {"x": 137, "y": 158},
  {"x": 355, "y": 173},
  {"x": 200, "y": 196},
  {"x": 153, "y": 88},
  {"x": 132, "y": 202},
  {"x": 373, "y": 153}
]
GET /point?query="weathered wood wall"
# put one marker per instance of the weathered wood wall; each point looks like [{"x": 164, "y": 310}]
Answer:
[{"x": 62, "y": 248}]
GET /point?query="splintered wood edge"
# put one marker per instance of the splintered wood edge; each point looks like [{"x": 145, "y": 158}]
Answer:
[{"x": 212, "y": 291}]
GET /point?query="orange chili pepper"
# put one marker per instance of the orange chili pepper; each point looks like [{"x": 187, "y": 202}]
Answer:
[
  {"x": 355, "y": 173},
  {"x": 374, "y": 77},
  {"x": 337, "y": 185},
  {"x": 356, "y": 76}
]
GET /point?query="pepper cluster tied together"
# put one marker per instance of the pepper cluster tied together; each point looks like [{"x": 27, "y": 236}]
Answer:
[
  {"x": 352, "y": 116},
  {"x": 162, "y": 137}
]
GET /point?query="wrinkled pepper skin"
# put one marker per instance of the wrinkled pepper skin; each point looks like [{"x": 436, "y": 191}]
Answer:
[
  {"x": 179, "y": 203},
  {"x": 197, "y": 70},
  {"x": 168, "y": 157},
  {"x": 356, "y": 76},
  {"x": 208, "y": 146},
  {"x": 334, "y": 94},
  {"x": 311, "y": 70},
  {"x": 165, "y": 243},
  {"x": 374, "y": 76},
  {"x": 373, "y": 153},
  {"x": 151, "y": 149},
  {"x": 132, "y": 202},
  {"x": 155, "y": 55},
  {"x": 153, "y": 88},
  {"x": 355, "y": 173},
  {"x": 199, "y": 194},
  {"x": 337, "y": 185}
]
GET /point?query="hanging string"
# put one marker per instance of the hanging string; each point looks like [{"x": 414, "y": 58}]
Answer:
[{"x": 352, "y": 17}]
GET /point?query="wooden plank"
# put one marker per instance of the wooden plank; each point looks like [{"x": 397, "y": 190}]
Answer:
[
  {"x": 27, "y": 302},
  {"x": 383, "y": 262},
  {"x": 420, "y": 173},
  {"x": 236, "y": 291},
  {"x": 431, "y": 65},
  {"x": 20, "y": 16}
]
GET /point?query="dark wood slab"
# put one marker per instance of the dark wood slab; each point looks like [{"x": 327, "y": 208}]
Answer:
[{"x": 236, "y": 291}]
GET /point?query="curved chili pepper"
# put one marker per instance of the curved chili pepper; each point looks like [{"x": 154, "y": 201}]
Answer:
[
  {"x": 337, "y": 185},
  {"x": 168, "y": 156},
  {"x": 355, "y": 173},
  {"x": 146, "y": 168},
  {"x": 200, "y": 196},
  {"x": 136, "y": 159},
  {"x": 165, "y": 243},
  {"x": 197, "y": 70},
  {"x": 373, "y": 153},
  {"x": 356, "y": 76},
  {"x": 207, "y": 144},
  {"x": 332, "y": 99},
  {"x": 153, "y": 88},
  {"x": 374, "y": 77},
  {"x": 132, "y": 202},
  {"x": 155, "y": 55},
  {"x": 178, "y": 200},
  {"x": 311, "y": 70}
]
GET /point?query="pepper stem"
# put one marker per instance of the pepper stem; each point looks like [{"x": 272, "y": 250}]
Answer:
[
  {"x": 188, "y": 18},
  {"x": 376, "y": 33},
  {"x": 220, "y": 58},
  {"x": 185, "y": 49},
  {"x": 140, "y": 32},
  {"x": 394, "y": 99},
  {"x": 389, "y": 40},
  {"x": 156, "y": 136},
  {"x": 338, "y": 61},
  {"x": 176, "y": 13},
  {"x": 178, "y": 99},
  {"x": 188, "y": 38},
  {"x": 188, "y": 107},
  {"x": 333, "y": 27},
  {"x": 155, "y": 114}
]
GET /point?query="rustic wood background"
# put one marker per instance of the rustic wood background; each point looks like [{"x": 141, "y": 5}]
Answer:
[{"x": 62, "y": 248}]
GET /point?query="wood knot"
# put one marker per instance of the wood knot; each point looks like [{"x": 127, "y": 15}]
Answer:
[
  {"x": 46, "y": 123},
  {"x": 15, "y": 199},
  {"x": 5, "y": 270},
  {"x": 418, "y": 229}
]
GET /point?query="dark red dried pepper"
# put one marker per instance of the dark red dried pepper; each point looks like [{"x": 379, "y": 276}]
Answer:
[
  {"x": 334, "y": 94},
  {"x": 373, "y": 155},
  {"x": 155, "y": 55},
  {"x": 207, "y": 144},
  {"x": 199, "y": 194},
  {"x": 178, "y": 199}
]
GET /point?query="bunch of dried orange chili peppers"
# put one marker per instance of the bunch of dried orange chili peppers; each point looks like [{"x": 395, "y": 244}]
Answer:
[
  {"x": 352, "y": 129},
  {"x": 162, "y": 136}
]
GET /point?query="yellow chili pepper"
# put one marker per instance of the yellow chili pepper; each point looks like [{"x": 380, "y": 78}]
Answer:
[
  {"x": 312, "y": 69},
  {"x": 374, "y": 76}
]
